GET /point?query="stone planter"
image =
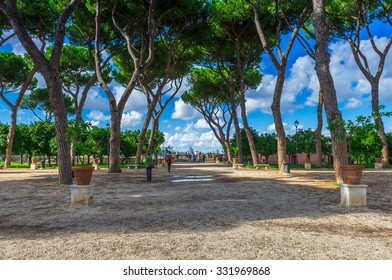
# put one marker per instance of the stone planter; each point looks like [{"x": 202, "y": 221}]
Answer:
[
  {"x": 308, "y": 165},
  {"x": 378, "y": 163},
  {"x": 83, "y": 174},
  {"x": 353, "y": 195},
  {"x": 352, "y": 174},
  {"x": 81, "y": 194}
]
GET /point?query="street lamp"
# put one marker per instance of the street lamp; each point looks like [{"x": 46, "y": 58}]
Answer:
[
  {"x": 108, "y": 126},
  {"x": 296, "y": 123}
]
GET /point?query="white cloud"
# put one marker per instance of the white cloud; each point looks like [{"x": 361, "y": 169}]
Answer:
[
  {"x": 271, "y": 127},
  {"x": 288, "y": 128},
  {"x": 202, "y": 124},
  {"x": 192, "y": 135},
  {"x": 198, "y": 141},
  {"x": 16, "y": 46},
  {"x": 96, "y": 101},
  {"x": 136, "y": 102},
  {"x": 353, "y": 103},
  {"x": 96, "y": 115},
  {"x": 184, "y": 111},
  {"x": 131, "y": 120}
]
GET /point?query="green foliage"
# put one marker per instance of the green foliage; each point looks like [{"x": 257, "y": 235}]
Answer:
[
  {"x": 40, "y": 16},
  {"x": 266, "y": 144},
  {"x": 343, "y": 15},
  {"x": 207, "y": 87},
  {"x": 306, "y": 141},
  {"x": 129, "y": 141},
  {"x": 364, "y": 143},
  {"x": 4, "y": 128},
  {"x": 42, "y": 137},
  {"x": 13, "y": 71}
]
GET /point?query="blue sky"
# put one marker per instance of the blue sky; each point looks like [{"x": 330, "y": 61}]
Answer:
[{"x": 184, "y": 126}]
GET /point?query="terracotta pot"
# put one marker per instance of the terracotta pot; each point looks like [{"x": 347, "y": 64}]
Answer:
[
  {"x": 235, "y": 160},
  {"x": 307, "y": 160},
  {"x": 352, "y": 174},
  {"x": 83, "y": 174},
  {"x": 160, "y": 160},
  {"x": 378, "y": 159},
  {"x": 34, "y": 160},
  {"x": 95, "y": 160}
]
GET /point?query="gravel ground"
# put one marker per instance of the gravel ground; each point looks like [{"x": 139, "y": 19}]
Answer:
[{"x": 197, "y": 211}]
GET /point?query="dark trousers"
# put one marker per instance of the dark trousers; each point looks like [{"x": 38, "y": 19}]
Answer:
[
  {"x": 168, "y": 165},
  {"x": 149, "y": 173}
]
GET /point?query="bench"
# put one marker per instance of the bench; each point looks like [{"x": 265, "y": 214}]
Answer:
[{"x": 265, "y": 165}]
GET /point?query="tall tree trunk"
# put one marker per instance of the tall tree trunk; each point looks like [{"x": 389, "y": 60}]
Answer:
[
  {"x": 238, "y": 137},
  {"x": 154, "y": 128},
  {"x": 115, "y": 138},
  {"x": 241, "y": 64},
  {"x": 10, "y": 138},
  {"x": 14, "y": 112},
  {"x": 362, "y": 20},
  {"x": 378, "y": 120},
  {"x": 280, "y": 133},
  {"x": 319, "y": 151},
  {"x": 334, "y": 117},
  {"x": 280, "y": 65},
  {"x": 237, "y": 128},
  {"x": 248, "y": 133},
  {"x": 61, "y": 126},
  {"x": 142, "y": 135}
]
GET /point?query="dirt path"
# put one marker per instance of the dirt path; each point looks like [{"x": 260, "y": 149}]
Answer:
[{"x": 197, "y": 211}]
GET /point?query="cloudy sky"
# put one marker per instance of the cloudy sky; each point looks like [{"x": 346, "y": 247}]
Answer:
[{"x": 184, "y": 126}]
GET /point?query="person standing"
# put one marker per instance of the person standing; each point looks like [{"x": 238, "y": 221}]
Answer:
[
  {"x": 149, "y": 166},
  {"x": 168, "y": 160}
]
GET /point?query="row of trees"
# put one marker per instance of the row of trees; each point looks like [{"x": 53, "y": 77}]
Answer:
[
  {"x": 38, "y": 139},
  {"x": 364, "y": 145},
  {"x": 151, "y": 45}
]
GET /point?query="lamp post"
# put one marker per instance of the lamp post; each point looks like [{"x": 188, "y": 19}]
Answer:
[
  {"x": 296, "y": 123},
  {"x": 108, "y": 126}
]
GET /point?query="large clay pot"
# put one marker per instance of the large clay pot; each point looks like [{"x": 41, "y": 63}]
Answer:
[
  {"x": 83, "y": 174},
  {"x": 95, "y": 160},
  {"x": 34, "y": 160},
  {"x": 352, "y": 174},
  {"x": 378, "y": 159},
  {"x": 235, "y": 160}
]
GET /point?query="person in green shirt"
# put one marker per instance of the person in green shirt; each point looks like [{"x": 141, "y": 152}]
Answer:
[{"x": 149, "y": 165}]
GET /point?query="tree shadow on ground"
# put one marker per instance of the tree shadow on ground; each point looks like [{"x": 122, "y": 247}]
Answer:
[{"x": 34, "y": 207}]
